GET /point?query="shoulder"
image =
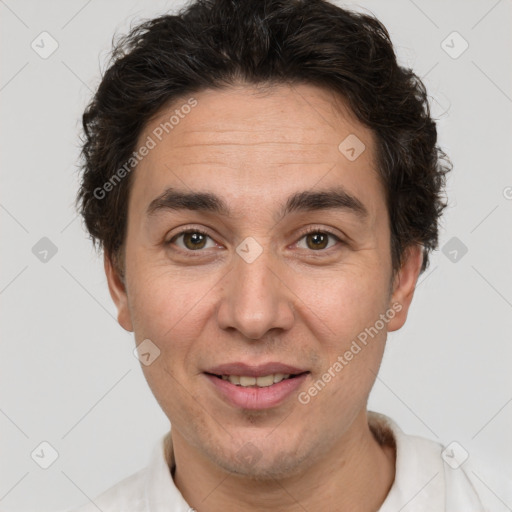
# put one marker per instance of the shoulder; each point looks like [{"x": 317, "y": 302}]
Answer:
[
  {"x": 438, "y": 477},
  {"x": 493, "y": 489},
  {"x": 151, "y": 488},
  {"x": 126, "y": 495}
]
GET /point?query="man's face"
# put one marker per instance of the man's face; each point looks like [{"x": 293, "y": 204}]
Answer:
[{"x": 249, "y": 286}]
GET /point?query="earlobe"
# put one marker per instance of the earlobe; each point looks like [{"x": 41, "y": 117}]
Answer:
[
  {"x": 404, "y": 285},
  {"x": 117, "y": 289}
]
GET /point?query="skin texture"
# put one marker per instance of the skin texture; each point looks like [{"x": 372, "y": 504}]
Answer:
[{"x": 294, "y": 304}]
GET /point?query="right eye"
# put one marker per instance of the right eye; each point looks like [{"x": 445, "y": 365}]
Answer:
[{"x": 191, "y": 240}]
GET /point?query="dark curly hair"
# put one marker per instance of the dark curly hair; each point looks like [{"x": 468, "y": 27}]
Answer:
[{"x": 220, "y": 43}]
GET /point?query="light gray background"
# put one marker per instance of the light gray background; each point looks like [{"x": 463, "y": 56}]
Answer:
[{"x": 67, "y": 372}]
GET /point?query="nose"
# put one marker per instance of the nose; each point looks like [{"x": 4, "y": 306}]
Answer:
[{"x": 255, "y": 298}]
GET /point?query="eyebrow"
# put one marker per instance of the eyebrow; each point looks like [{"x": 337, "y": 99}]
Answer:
[{"x": 335, "y": 198}]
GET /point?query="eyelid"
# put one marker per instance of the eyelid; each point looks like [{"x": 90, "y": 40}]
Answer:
[
  {"x": 189, "y": 230},
  {"x": 319, "y": 229}
]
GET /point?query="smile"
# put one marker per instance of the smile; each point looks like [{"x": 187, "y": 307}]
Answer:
[
  {"x": 261, "y": 392},
  {"x": 260, "y": 382}
]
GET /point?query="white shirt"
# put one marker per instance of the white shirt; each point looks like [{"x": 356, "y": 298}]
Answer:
[{"x": 424, "y": 481}]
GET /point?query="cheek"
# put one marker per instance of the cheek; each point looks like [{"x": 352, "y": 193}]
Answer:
[
  {"x": 346, "y": 309},
  {"x": 344, "y": 302},
  {"x": 168, "y": 310}
]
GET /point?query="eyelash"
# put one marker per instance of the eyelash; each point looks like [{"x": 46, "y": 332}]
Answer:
[{"x": 308, "y": 231}]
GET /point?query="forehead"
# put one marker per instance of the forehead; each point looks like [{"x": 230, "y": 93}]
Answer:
[
  {"x": 248, "y": 143},
  {"x": 311, "y": 116}
]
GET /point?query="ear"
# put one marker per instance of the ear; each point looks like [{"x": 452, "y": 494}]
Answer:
[
  {"x": 118, "y": 293},
  {"x": 404, "y": 284}
]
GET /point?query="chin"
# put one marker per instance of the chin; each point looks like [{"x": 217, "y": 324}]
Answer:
[{"x": 251, "y": 462}]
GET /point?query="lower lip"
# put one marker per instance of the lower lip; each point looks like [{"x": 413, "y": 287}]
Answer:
[{"x": 254, "y": 397}]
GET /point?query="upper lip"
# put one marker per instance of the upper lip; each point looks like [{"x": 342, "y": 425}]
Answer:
[{"x": 254, "y": 370}]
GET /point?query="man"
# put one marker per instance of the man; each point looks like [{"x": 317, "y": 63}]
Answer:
[{"x": 266, "y": 184}]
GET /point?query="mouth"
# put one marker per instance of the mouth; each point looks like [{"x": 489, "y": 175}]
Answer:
[
  {"x": 256, "y": 387},
  {"x": 264, "y": 381}
]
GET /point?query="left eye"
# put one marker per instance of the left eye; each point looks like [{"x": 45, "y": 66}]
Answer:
[{"x": 318, "y": 240}]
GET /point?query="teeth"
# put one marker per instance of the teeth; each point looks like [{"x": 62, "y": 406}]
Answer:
[
  {"x": 262, "y": 382},
  {"x": 265, "y": 381},
  {"x": 247, "y": 381}
]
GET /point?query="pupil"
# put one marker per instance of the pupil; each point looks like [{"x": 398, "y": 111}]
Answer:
[
  {"x": 196, "y": 240},
  {"x": 318, "y": 240}
]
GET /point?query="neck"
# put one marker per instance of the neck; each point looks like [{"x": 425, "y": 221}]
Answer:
[{"x": 356, "y": 475}]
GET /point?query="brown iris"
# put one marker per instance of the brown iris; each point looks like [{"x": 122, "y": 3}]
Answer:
[
  {"x": 318, "y": 240},
  {"x": 194, "y": 240}
]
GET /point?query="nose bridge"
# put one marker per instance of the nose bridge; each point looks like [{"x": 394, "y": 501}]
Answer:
[{"x": 255, "y": 301}]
